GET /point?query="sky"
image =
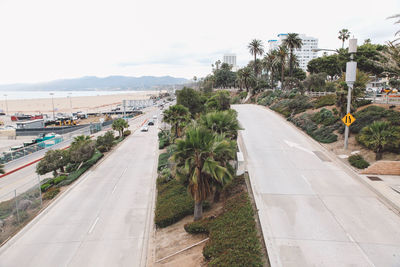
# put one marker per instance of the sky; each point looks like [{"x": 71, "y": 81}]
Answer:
[{"x": 44, "y": 40}]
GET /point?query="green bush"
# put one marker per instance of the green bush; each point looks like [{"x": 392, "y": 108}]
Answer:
[
  {"x": 233, "y": 236},
  {"x": 325, "y": 135},
  {"x": 327, "y": 100},
  {"x": 164, "y": 176},
  {"x": 59, "y": 179},
  {"x": 127, "y": 133},
  {"x": 243, "y": 94},
  {"x": 371, "y": 114},
  {"x": 173, "y": 203},
  {"x": 358, "y": 161},
  {"x": 51, "y": 193},
  {"x": 198, "y": 227},
  {"x": 282, "y": 107},
  {"x": 324, "y": 117},
  {"x": 45, "y": 187},
  {"x": 163, "y": 161},
  {"x": 362, "y": 102}
]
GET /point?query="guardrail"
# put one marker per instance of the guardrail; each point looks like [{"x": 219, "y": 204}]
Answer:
[{"x": 317, "y": 94}]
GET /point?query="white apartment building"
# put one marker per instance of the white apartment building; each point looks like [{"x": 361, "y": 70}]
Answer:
[
  {"x": 230, "y": 59},
  {"x": 304, "y": 54}
]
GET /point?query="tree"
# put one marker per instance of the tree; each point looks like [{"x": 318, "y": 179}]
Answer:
[
  {"x": 344, "y": 34},
  {"x": 397, "y": 17},
  {"x": 2, "y": 171},
  {"x": 177, "y": 116},
  {"x": 201, "y": 158},
  {"x": 270, "y": 64},
  {"x": 106, "y": 141},
  {"x": 219, "y": 101},
  {"x": 315, "y": 82},
  {"x": 256, "y": 48},
  {"x": 191, "y": 99},
  {"x": 221, "y": 122},
  {"x": 245, "y": 77},
  {"x": 119, "y": 125},
  {"x": 292, "y": 42},
  {"x": 82, "y": 151},
  {"x": 282, "y": 55},
  {"x": 52, "y": 161},
  {"x": 80, "y": 138},
  {"x": 224, "y": 77},
  {"x": 325, "y": 64},
  {"x": 380, "y": 136}
]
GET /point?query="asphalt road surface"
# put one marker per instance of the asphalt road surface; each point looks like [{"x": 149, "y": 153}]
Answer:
[
  {"x": 312, "y": 211},
  {"x": 103, "y": 220}
]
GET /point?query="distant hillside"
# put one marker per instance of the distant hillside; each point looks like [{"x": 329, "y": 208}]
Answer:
[{"x": 95, "y": 83}]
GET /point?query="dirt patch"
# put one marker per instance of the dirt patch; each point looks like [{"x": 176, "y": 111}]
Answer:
[
  {"x": 383, "y": 168},
  {"x": 174, "y": 238}
]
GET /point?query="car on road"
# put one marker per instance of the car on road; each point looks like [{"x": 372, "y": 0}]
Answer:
[
  {"x": 144, "y": 129},
  {"x": 151, "y": 122},
  {"x": 154, "y": 117}
]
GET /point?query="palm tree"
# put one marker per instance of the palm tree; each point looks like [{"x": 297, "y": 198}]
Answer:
[
  {"x": 397, "y": 17},
  {"x": 270, "y": 63},
  {"x": 344, "y": 34},
  {"x": 201, "y": 158},
  {"x": 221, "y": 122},
  {"x": 292, "y": 41},
  {"x": 119, "y": 125},
  {"x": 245, "y": 76},
  {"x": 177, "y": 116},
  {"x": 380, "y": 136},
  {"x": 282, "y": 55},
  {"x": 2, "y": 171},
  {"x": 80, "y": 139},
  {"x": 256, "y": 48}
]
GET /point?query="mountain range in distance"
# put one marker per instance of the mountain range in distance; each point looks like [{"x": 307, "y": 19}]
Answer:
[{"x": 96, "y": 83}]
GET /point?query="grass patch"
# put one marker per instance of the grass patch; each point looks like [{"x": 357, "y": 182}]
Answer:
[
  {"x": 51, "y": 193},
  {"x": 163, "y": 161},
  {"x": 173, "y": 203},
  {"x": 358, "y": 161}
]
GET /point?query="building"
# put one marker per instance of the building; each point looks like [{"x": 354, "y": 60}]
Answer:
[
  {"x": 231, "y": 60},
  {"x": 303, "y": 54}
]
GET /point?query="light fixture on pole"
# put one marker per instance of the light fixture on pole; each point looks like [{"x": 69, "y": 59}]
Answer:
[
  {"x": 351, "y": 72},
  {"x": 52, "y": 101}
]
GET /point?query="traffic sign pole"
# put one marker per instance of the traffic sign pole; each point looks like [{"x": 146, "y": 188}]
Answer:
[{"x": 346, "y": 131}]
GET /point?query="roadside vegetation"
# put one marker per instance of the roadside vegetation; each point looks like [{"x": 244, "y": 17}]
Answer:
[{"x": 195, "y": 172}]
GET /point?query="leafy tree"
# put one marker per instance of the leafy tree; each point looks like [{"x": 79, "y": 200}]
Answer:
[
  {"x": 256, "y": 48},
  {"x": 191, "y": 99},
  {"x": 221, "y": 122},
  {"x": 2, "y": 171},
  {"x": 292, "y": 42},
  {"x": 325, "y": 64},
  {"x": 201, "y": 158},
  {"x": 177, "y": 116},
  {"x": 315, "y": 82},
  {"x": 380, "y": 136},
  {"x": 106, "y": 141},
  {"x": 52, "y": 161},
  {"x": 219, "y": 101},
  {"x": 119, "y": 125},
  {"x": 344, "y": 34},
  {"x": 224, "y": 77},
  {"x": 81, "y": 152},
  {"x": 292, "y": 83},
  {"x": 390, "y": 59}
]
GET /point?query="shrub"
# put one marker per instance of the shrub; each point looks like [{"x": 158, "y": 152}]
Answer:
[
  {"x": 104, "y": 143},
  {"x": 358, "y": 161},
  {"x": 164, "y": 177},
  {"x": 327, "y": 100},
  {"x": 362, "y": 102},
  {"x": 71, "y": 167},
  {"x": 51, "y": 193},
  {"x": 370, "y": 114},
  {"x": 173, "y": 203},
  {"x": 126, "y": 133},
  {"x": 243, "y": 94},
  {"x": 45, "y": 187},
  {"x": 324, "y": 135},
  {"x": 198, "y": 227},
  {"x": 102, "y": 149},
  {"x": 233, "y": 236},
  {"x": 324, "y": 117},
  {"x": 163, "y": 161},
  {"x": 59, "y": 179},
  {"x": 282, "y": 107}
]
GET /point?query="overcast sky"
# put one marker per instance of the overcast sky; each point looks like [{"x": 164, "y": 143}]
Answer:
[{"x": 44, "y": 40}]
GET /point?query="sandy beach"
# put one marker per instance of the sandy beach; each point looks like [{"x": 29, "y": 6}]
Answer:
[{"x": 79, "y": 103}]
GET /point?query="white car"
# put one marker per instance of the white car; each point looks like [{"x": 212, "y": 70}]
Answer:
[
  {"x": 155, "y": 117},
  {"x": 144, "y": 129}
]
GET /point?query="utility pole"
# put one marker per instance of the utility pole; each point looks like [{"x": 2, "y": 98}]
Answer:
[
  {"x": 351, "y": 72},
  {"x": 52, "y": 101}
]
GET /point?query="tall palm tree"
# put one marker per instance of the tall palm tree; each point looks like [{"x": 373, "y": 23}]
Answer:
[
  {"x": 245, "y": 76},
  {"x": 80, "y": 139},
  {"x": 397, "y": 17},
  {"x": 256, "y": 48},
  {"x": 270, "y": 63},
  {"x": 221, "y": 122},
  {"x": 177, "y": 116},
  {"x": 201, "y": 158},
  {"x": 119, "y": 125},
  {"x": 344, "y": 34},
  {"x": 379, "y": 136},
  {"x": 292, "y": 42},
  {"x": 282, "y": 55}
]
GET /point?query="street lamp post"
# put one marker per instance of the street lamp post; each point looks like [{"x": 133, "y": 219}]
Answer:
[
  {"x": 52, "y": 101},
  {"x": 5, "y": 95},
  {"x": 70, "y": 102}
]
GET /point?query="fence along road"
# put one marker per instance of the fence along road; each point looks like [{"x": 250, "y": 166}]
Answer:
[
  {"x": 312, "y": 212},
  {"x": 103, "y": 220}
]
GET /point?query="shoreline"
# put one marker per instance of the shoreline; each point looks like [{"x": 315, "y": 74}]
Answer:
[{"x": 64, "y": 104}]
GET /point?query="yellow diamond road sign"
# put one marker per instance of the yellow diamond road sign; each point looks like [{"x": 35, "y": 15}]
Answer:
[{"x": 348, "y": 119}]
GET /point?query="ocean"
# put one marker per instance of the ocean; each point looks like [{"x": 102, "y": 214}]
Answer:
[{"x": 57, "y": 94}]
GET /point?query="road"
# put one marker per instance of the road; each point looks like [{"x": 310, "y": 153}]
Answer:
[
  {"x": 103, "y": 220},
  {"x": 312, "y": 211},
  {"x": 25, "y": 178}
]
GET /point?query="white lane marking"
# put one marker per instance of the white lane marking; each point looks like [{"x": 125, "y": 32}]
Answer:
[
  {"x": 305, "y": 179},
  {"x": 292, "y": 144},
  {"x": 115, "y": 186},
  {"x": 94, "y": 224}
]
